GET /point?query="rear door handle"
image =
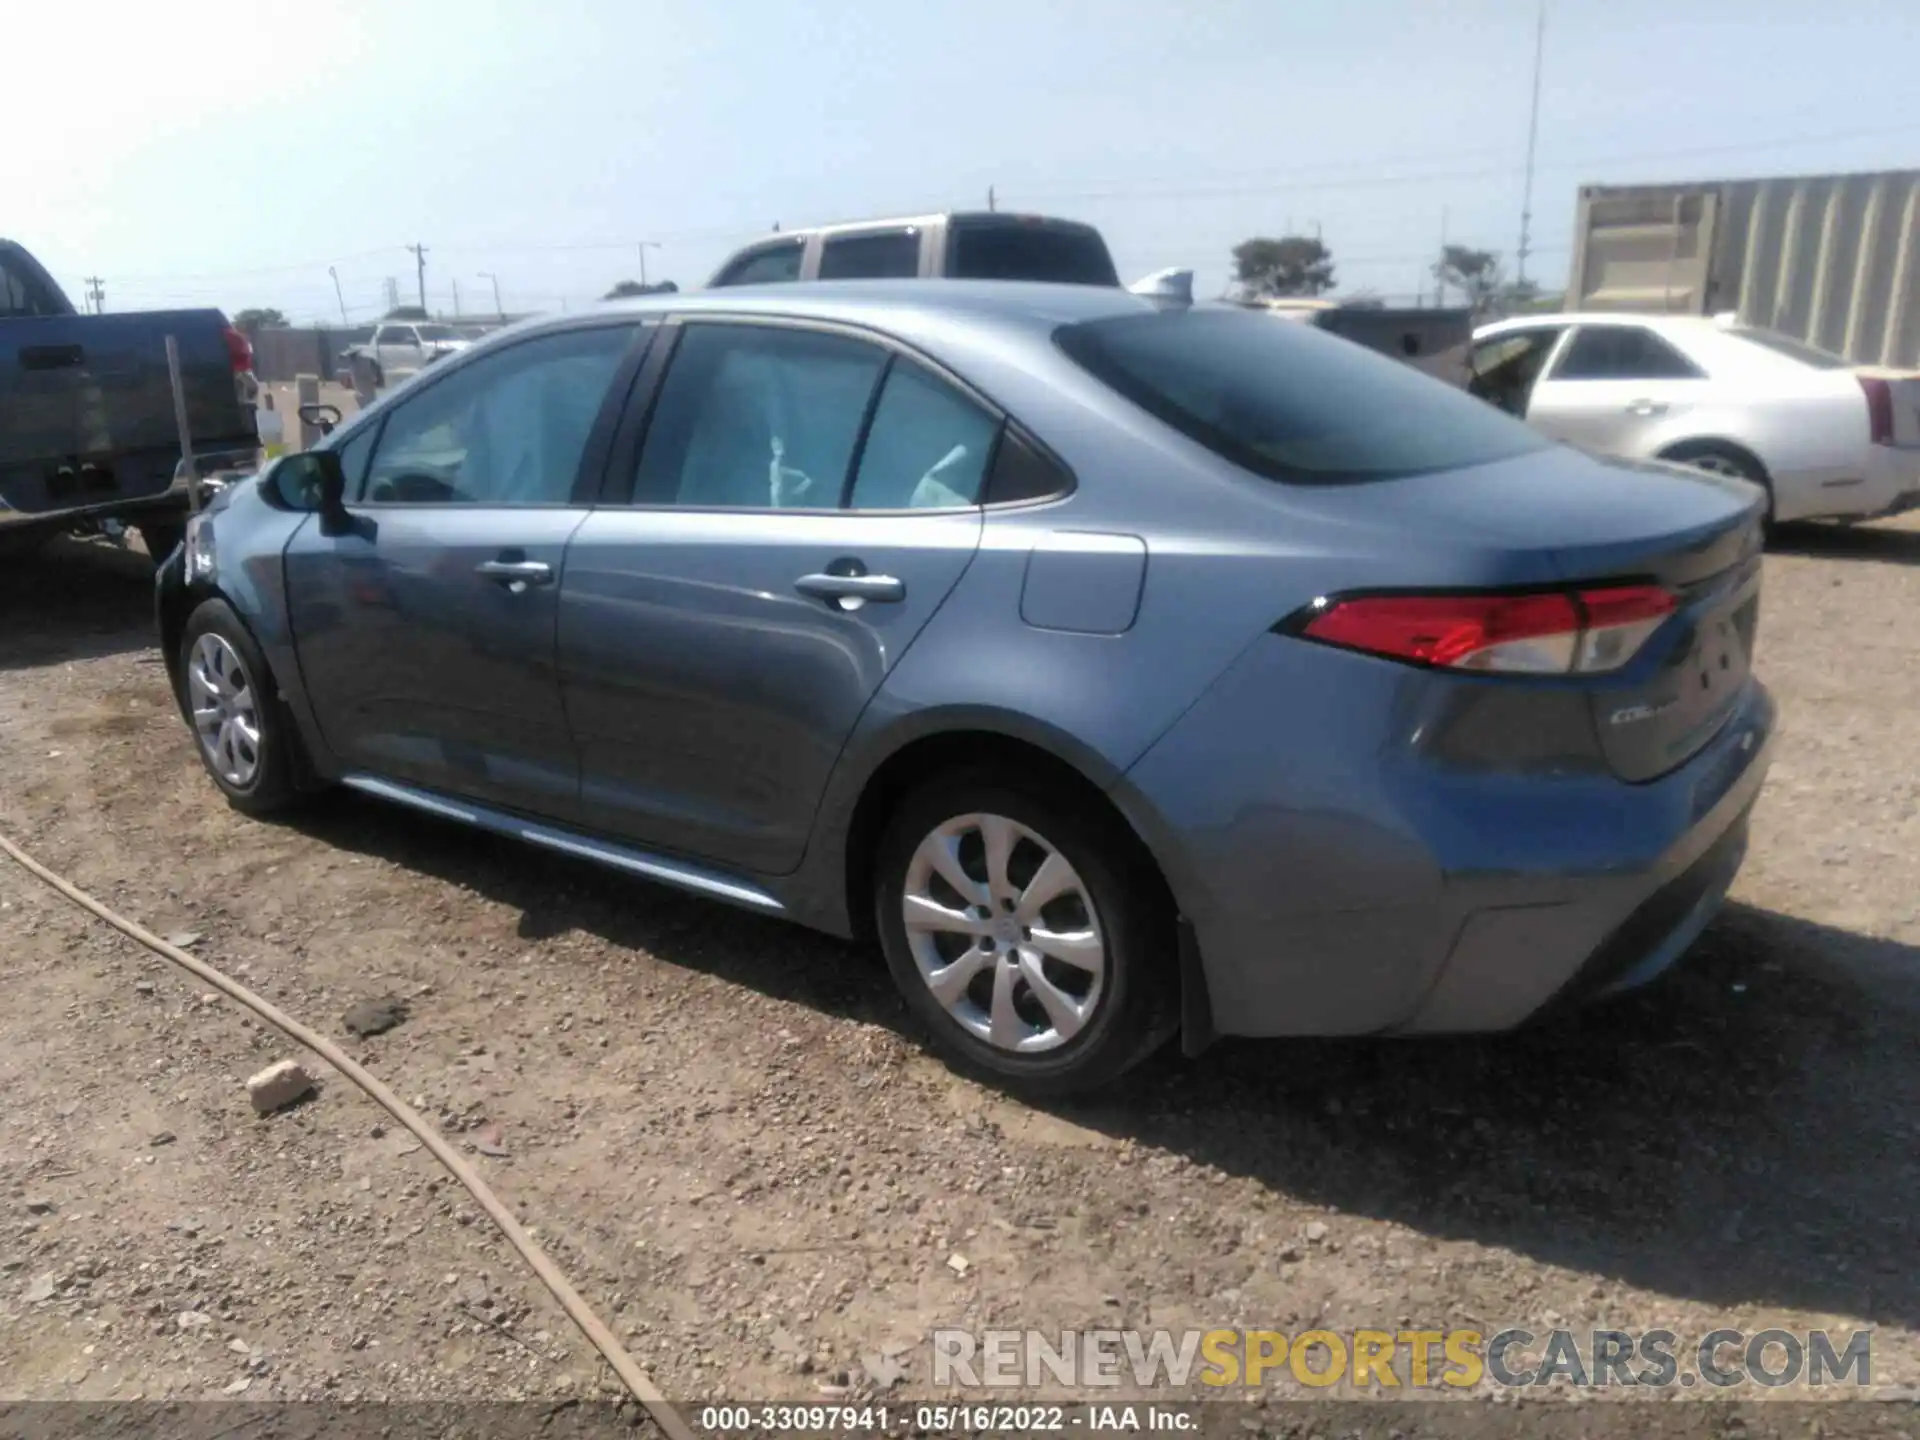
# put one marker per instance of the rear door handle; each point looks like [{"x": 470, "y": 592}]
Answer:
[
  {"x": 846, "y": 589},
  {"x": 516, "y": 575},
  {"x": 1646, "y": 407}
]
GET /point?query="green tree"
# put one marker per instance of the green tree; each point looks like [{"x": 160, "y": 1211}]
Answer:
[
  {"x": 259, "y": 318},
  {"x": 1289, "y": 265},
  {"x": 1479, "y": 276}
]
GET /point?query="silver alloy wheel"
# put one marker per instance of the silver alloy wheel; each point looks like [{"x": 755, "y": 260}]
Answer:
[
  {"x": 1004, "y": 933},
  {"x": 226, "y": 713}
]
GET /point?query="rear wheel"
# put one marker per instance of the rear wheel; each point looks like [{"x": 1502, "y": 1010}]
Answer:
[
  {"x": 1028, "y": 935},
  {"x": 242, "y": 731},
  {"x": 1717, "y": 459}
]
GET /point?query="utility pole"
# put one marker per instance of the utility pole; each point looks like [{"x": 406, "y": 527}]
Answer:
[
  {"x": 456, "y": 298},
  {"x": 642, "y": 247},
  {"x": 498, "y": 310},
  {"x": 420, "y": 269},
  {"x": 991, "y": 205},
  {"x": 393, "y": 293},
  {"x": 339, "y": 294},
  {"x": 96, "y": 294},
  {"x": 1533, "y": 135}
]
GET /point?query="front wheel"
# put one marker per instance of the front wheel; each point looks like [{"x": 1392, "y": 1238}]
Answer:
[
  {"x": 1029, "y": 935},
  {"x": 241, "y": 729}
]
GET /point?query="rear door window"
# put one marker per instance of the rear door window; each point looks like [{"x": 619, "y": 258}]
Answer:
[
  {"x": 884, "y": 255},
  {"x": 1015, "y": 249},
  {"x": 1622, "y": 352},
  {"x": 757, "y": 417},
  {"x": 1288, "y": 401},
  {"x": 768, "y": 265},
  {"x": 927, "y": 448}
]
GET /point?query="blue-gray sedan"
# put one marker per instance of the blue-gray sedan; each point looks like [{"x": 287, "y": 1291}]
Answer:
[{"x": 1123, "y": 667}]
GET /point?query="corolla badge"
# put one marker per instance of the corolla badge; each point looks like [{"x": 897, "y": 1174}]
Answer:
[{"x": 1633, "y": 714}]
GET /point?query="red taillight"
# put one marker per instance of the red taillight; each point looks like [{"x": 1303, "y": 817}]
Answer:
[
  {"x": 239, "y": 351},
  {"x": 1545, "y": 633},
  {"x": 1879, "y": 410}
]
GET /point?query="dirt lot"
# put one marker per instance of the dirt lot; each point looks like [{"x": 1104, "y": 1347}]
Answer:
[{"x": 723, "y": 1129}]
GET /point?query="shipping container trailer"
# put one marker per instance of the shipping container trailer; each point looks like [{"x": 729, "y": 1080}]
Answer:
[{"x": 1833, "y": 260}]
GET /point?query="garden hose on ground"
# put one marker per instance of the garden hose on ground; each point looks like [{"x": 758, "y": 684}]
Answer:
[{"x": 582, "y": 1315}]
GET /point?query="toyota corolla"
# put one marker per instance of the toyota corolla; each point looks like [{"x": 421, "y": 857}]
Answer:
[{"x": 1124, "y": 667}]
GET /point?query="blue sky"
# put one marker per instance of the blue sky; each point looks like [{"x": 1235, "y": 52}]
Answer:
[{"x": 228, "y": 154}]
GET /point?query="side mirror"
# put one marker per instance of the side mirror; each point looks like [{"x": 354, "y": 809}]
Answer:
[{"x": 313, "y": 480}]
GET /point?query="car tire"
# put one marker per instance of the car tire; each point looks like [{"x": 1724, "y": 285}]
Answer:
[
  {"x": 242, "y": 732},
  {"x": 1108, "y": 972},
  {"x": 1720, "y": 459}
]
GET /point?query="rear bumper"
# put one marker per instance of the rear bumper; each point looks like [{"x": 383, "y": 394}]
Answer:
[
  {"x": 1335, "y": 887},
  {"x": 1888, "y": 484}
]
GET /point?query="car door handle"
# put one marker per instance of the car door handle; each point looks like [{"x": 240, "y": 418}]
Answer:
[
  {"x": 1646, "y": 407},
  {"x": 851, "y": 587},
  {"x": 516, "y": 575}
]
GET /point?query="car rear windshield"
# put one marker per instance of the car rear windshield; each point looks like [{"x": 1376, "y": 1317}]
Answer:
[
  {"x": 1289, "y": 401},
  {"x": 1023, "y": 250},
  {"x": 1788, "y": 346}
]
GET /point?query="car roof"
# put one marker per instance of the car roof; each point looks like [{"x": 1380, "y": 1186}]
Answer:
[
  {"x": 1669, "y": 324},
  {"x": 909, "y": 308},
  {"x": 898, "y": 222}
]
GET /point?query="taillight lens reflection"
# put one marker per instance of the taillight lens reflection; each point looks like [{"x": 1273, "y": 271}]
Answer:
[{"x": 1544, "y": 633}]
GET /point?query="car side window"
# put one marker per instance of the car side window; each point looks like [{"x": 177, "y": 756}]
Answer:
[
  {"x": 398, "y": 335},
  {"x": 928, "y": 446},
  {"x": 757, "y": 417},
  {"x": 506, "y": 430},
  {"x": 1503, "y": 369},
  {"x": 21, "y": 295},
  {"x": 353, "y": 453},
  {"x": 885, "y": 255},
  {"x": 1622, "y": 352},
  {"x": 768, "y": 265}
]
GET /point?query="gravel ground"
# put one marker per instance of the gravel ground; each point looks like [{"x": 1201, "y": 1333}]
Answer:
[{"x": 725, "y": 1131}]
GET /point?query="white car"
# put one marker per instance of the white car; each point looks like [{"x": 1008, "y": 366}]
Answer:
[
  {"x": 403, "y": 347},
  {"x": 1828, "y": 440}
]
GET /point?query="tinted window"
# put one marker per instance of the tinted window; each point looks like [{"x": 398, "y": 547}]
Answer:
[
  {"x": 768, "y": 266},
  {"x": 21, "y": 293},
  {"x": 1791, "y": 348},
  {"x": 757, "y": 417},
  {"x": 1289, "y": 402},
  {"x": 892, "y": 255},
  {"x": 507, "y": 430},
  {"x": 398, "y": 335},
  {"x": 1017, "y": 250},
  {"x": 1502, "y": 370},
  {"x": 1622, "y": 352},
  {"x": 436, "y": 332},
  {"x": 928, "y": 447}
]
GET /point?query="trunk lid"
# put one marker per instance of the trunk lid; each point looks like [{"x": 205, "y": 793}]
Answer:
[{"x": 1562, "y": 516}]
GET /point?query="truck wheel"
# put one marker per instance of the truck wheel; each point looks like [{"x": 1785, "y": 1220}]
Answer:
[{"x": 160, "y": 537}]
